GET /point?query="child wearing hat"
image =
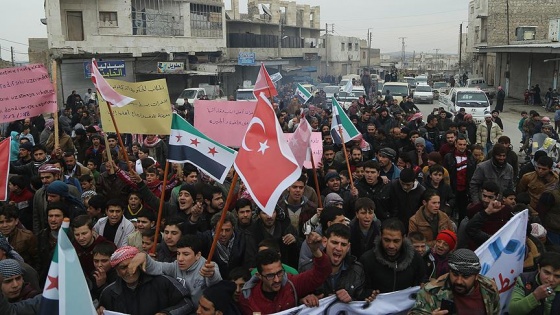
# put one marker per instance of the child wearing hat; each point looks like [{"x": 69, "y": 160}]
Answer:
[{"x": 446, "y": 241}]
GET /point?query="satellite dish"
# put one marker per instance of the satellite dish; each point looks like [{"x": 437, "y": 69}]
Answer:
[{"x": 266, "y": 10}]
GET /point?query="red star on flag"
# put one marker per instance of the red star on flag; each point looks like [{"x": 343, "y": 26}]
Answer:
[
  {"x": 53, "y": 283},
  {"x": 179, "y": 138},
  {"x": 212, "y": 151},
  {"x": 195, "y": 142}
]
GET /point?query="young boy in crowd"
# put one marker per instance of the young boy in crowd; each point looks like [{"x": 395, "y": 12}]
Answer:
[
  {"x": 420, "y": 245},
  {"x": 190, "y": 268},
  {"x": 148, "y": 237},
  {"x": 103, "y": 274},
  {"x": 435, "y": 182}
]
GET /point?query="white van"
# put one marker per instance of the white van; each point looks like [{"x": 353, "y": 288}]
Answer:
[
  {"x": 474, "y": 101},
  {"x": 398, "y": 90}
]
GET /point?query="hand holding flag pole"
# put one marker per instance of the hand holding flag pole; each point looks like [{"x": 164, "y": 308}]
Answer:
[
  {"x": 345, "y": 154},
  {"x": 161, "y": 203},
  {"x": 318, "y": 191},
  {"x": 227, "y": 205}
]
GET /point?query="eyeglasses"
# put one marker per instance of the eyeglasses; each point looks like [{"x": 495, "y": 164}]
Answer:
[{"x": 271, "y": 276}]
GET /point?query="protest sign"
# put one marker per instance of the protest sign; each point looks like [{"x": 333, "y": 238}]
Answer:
[
  {"x": 150, "y": 113},
  {"x": 25, "y": 92},
  {"x": 316, "y": 148},
  {"x": 502, "y": 256},
  {"x": 223, "y": 121}
]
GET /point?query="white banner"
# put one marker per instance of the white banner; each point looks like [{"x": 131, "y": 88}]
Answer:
[
  {"x": 503, "y": 254},
  {"x": 501, "y": 258},
  {"x": 385, "y": 303}
]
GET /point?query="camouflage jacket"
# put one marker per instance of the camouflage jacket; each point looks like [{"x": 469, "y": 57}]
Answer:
[{"x": 429, "y": 298}]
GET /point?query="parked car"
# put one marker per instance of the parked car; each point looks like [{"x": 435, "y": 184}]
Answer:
[
  {"x": 423, "y": 94},
  {"x": 481, "y": 84},
  {"x": 398, "y": 89},
  {"x": 245, "y": 95},
  {"x": 441, "y": 87},
  {"x": 190, "y": 95}
]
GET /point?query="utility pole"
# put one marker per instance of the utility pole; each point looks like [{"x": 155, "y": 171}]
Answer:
[
  {"x": 13, "y": 56},
  {"x": 369, "y": 49},
  {"x": 460, "y": 44},
  {"x": 413, "y": 56},
  {"x": 437, "y": 58},
  {"x": 403, "y": 53},
  {"x": 280, "y": 38},
  {"x": 327, "y": 46}
]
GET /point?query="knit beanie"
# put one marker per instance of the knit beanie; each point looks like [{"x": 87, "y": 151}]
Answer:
[
  {"x": 464, "y": 261},
  {"x": 420, "y": 141},
  {"x": 449, "y": 237},
  {"x": 190, "y": 189},
  {"x": 58, "y": 188}
]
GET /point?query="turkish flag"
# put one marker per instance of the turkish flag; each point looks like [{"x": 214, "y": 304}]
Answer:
[
  {"x": 264, "y": 84},
  {"x": 265, "y": 162},
  {"x": 4, "y": 167}
]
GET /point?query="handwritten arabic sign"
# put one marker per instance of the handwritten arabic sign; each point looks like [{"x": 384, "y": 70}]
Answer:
[
  {"x": 170, "y": 66},
  {"x": 503, "y": 254},
  {"x": 316, "y": 148},
  {"x": 25, "y": 92},
  {"x": 223, "y": 121},
  {"x": 150, "y": 113},
  {"x": 109, "y": 69}
]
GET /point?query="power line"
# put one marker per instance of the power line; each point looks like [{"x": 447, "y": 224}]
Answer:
[{"x": 11, "y": 41}]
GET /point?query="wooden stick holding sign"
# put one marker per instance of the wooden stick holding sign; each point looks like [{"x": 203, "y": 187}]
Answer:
[
  {"x": 161, "y": 203},
  {"x": 54, "y": 67}
]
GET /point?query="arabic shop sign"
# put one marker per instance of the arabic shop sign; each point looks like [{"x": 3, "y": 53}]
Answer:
[
  {"x": 109, "y": 69},
  {"x": 246, "y": 58},
  {"x": 170, "y": 67}
]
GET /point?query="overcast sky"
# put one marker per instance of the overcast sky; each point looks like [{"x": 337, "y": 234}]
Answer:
[{"x": 427, "y": 25}]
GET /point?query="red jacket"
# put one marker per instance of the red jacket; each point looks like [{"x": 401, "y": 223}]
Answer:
[{"x": 252, "y": 298}]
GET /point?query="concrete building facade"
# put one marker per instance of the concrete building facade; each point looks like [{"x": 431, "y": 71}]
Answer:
[
  {"x": 138, "y": 35},
  {"x": 509, "y": 42}
]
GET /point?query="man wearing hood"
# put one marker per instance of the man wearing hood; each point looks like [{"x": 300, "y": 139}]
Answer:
[
  {"x": 496, "y": 169},
  {"x": 271, "y": 290},
  {"x": 392, "y": 264}
]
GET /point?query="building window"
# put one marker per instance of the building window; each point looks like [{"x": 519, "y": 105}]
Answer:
[
  {"x": 206, "y": 20},
  {"x": 157, "y": 18},
  {"x": 349, "y": 46},
  {"x": 108, "y": 19},
  {"x": 342, "y": 45},
  {"x": 363, "y": 55},
  {"x": 75, "y": 26},
  {"x": 356, "y": 47}
]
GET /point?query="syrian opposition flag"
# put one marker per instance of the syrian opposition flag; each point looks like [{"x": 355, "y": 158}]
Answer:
[
  {"x": 341, "y": 120},
  {"x": 105, "y": 90},
  {"x": 186, "y": 144},
  {"x": 264, "y": 84},
  {"x": 301, "y": 141},
  {"x": 4, "y": 167},
  {"x": 265, "y": 161},
  {"x": 66, "y": 291},
  {"x": 303, "y": 93}
]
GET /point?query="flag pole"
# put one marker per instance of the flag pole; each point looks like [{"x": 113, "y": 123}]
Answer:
[
  {"x": 54, "y": 74},
  {"x": 223, "y": 217},
  {"x": 109, "y": 156},
  {"x": 317, "y": 189},
  {"x": 161, "y": 203},
  {"x": 121, "y": 143},
  {"x": 345, "y": 155}
]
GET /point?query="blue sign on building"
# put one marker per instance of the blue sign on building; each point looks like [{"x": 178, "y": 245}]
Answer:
[
  {"x": 246, "y": 58},
  {"x": 108, "y": 69}
]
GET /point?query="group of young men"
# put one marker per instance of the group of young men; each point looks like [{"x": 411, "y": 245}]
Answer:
[{"x": 407, "y": 208}]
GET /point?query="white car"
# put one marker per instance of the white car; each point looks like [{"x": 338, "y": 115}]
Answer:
[{"x": 423, "y": 94}]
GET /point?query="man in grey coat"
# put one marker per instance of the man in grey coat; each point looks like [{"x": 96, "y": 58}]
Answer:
[{"x": 495, "y": 169}]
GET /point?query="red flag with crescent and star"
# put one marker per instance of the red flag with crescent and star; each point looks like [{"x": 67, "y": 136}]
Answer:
[
  {"x": 265, "y": 161},
  {"x": 264, "y": 84}
]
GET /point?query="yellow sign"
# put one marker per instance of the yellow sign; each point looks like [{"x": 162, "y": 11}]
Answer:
[{"x": 150, "y": 113}]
